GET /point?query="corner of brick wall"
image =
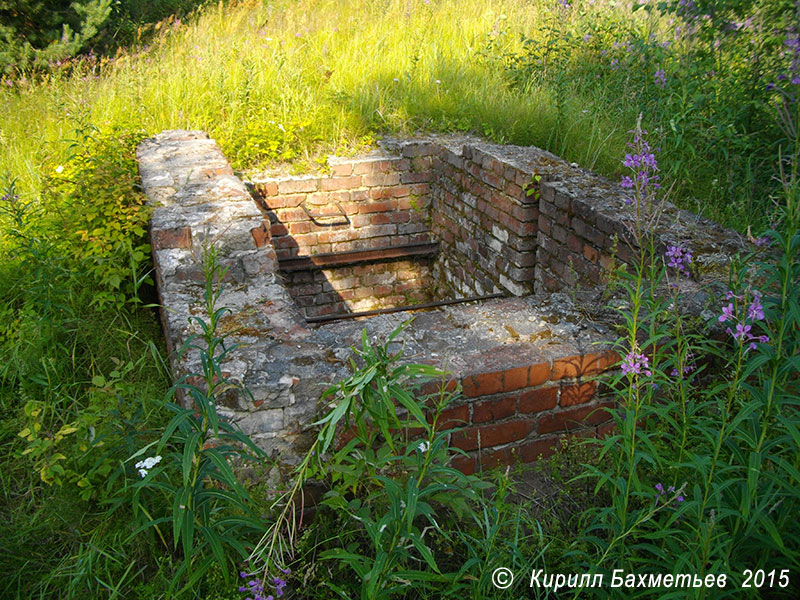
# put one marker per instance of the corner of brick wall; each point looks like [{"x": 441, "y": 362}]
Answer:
[{"x": 523, "y": 412}]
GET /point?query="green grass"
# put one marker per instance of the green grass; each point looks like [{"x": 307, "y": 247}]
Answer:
[
  {"x": 323, "y": 70},
  {"x": 289, "y": 81}
]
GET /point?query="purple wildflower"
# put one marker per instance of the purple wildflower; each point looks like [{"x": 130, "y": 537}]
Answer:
[
  {"x": 255, "y": 586},
  {"x": 641, "y": 160},
  {"x": 686, "y": 370},
  {"x": 279, "y": 585},
  {"x": 755, "y": 311},
  {"x": 679, "y": 259},
  {"x": 670, "y": 490},
  {"x": 745, "y": 319},
  {"x": 636, "y": 363},
  {"x": 727, "y": 313},
  {"x": 627, "y": 182},
  {"x": 762, "y": 241},
  {"x": 742, "y": 330},
  {"x": 660, "y": 78}
]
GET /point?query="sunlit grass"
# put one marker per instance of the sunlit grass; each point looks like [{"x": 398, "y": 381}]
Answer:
[{"x": 336, "y": 73}]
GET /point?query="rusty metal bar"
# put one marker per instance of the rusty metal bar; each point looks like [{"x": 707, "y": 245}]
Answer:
[
  {"x": 318, "y": 219},
  {"x": 383, "y": 311},
  {"x": 351, "y": 257}
]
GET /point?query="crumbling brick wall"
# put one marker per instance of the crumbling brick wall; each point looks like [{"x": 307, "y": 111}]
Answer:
[
  {"x": 527, "y": 365},
  {"x": 366, "y": 203},
  {"x": 486, "y": 223}
]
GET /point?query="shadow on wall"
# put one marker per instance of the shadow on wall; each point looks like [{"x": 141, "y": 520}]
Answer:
[{"x": 352, "y": 242}]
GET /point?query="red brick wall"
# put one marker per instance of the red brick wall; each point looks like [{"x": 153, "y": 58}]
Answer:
[
  {"x": 361, "y": 287},
  {"x": 524, "y": 411},
  {"x": 383, "y": 199},
  {"x": 375, "y": 202},
  {"x": 486, "y": 224}
]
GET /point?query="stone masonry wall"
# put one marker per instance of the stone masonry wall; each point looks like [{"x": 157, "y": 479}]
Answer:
[
  {"x": 486, "y": 223},
  {"x": 527, "y": 365}
]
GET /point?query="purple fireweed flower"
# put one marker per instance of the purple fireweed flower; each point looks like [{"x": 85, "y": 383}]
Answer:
[
  {"x": 660, "y": 78},
  {"x": 742, "y": 330},
  {"x": 686, "y": 370},
  {"x": 661, "y": 493},
  {"x": 745, "y": 318},
  {"x": 279, "y": 585},
  {"x": 256, "y": 587},
  {"x": 762, "y": 241},
  {"x": 641, "y": 160},
  {"x": 689, "y": 367},
  {"x": 679, "y": 259},
  {"x": 636, "y": 363},
  {"x": 755, "y": 311}
]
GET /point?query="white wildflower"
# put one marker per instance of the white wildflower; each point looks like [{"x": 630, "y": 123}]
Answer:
[
  {"x": 148, "y": 463},
  {"x": 424, "y": 446}
]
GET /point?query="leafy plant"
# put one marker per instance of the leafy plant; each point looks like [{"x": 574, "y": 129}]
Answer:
[
  {"x": 210, "y": 514},
  {"x": 391, "y": 479},
  {"x": 93, "y": 194},
  {"x": 707, "y": 441}
]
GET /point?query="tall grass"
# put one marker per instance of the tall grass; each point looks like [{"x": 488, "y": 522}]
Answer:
[{"x": 330, "y": 73}]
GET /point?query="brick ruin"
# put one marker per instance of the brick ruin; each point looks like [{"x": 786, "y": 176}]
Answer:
[{"x": 430, "y": 220}]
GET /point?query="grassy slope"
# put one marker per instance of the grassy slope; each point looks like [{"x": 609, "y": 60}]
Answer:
[{"x": 324, "y": 70}]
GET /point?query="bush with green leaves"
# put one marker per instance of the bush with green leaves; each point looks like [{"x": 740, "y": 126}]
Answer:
[
  {"x": 40, "y": 32},
  {"x": 102, "y": 217},
  {"x": 42, "y": 35}
]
